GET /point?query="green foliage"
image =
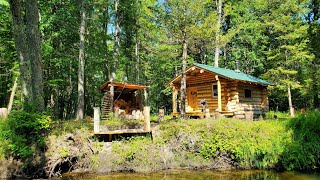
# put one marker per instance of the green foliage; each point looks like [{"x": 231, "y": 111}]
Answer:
[
  {"x": 249, "y": 144},
  {"x": 277, "y": 115},
  {"x": 116, "y": 123},
  {"x": 137, "y": 153},
  {"x": 70, "y": 126},
  {"x": 303, "y": 153},
  {"x": 23, "y": 134}
]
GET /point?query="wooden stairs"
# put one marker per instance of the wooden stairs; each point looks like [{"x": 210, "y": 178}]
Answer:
[{"x": 106, "y": 105}]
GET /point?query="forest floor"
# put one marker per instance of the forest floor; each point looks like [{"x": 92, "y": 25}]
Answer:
[{"x": 188, "y": 144}]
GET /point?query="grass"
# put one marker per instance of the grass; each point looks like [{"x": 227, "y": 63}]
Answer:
[
  {"x": 272, "y": 115},
  {"x": 70, "y": 126}
]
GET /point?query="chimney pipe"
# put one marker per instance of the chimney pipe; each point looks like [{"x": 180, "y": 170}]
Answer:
[{"x": 237, "y": 67}]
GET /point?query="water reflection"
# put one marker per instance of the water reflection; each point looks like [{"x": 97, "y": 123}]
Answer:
[{"x": 196, "y": 175}]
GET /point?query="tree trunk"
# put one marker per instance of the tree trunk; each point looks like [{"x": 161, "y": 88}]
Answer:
[
  {"x": 315, "y": 38},
  {"x": 116, "y": 41},
  {"x": 33, "y": 37},
  {"x": 184, "y": 78},
  {"x": 80, "y": 108},
  {"x": 106, "y": 66},
  {"x": 137, "y": 45},
  {"x": 115, "y": 51},
  {"x": 217, "y": 41},
  {"x": 290, "y": 102},
  {"x": 315, "y": 85},
  {"x": 14, "y": 88},
  {"x": 137, "y": 59},
  {"x": 22, "y": 51}
]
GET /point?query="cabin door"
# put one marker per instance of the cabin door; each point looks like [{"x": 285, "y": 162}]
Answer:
[{"x": 192, "y": 97}]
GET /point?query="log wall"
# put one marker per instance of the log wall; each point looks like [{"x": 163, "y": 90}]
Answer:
[
  {"x": 257, "y": 104},
  {"x": 204, "y": 91},
  {"x": 232, "y": 94}
]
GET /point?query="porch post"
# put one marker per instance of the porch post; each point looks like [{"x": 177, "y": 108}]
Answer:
[
  {"x": 174, "y": 99},
  {"x": 219, "y": 94},
  {"x": 145, "y": 92},
  {"x": 96, "y": 118},
  {"x": 111, "y": 96}
]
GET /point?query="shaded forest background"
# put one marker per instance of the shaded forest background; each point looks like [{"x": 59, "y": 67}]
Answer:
[{"x": 142, "y": 41}]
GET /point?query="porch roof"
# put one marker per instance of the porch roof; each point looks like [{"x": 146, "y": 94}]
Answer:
[{"x": 118, "y": 85}]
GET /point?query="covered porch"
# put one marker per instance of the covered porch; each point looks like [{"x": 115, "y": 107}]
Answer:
[
  {"x": 207, "y": 94},
  {"x": 123, "y": 99}
]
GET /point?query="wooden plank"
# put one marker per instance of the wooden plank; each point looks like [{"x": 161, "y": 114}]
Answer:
[
  {"x": 174, "y": 99},
  {"x": 96, "y": 119}
]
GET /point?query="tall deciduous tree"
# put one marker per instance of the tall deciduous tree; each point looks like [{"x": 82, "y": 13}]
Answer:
[
  {"x": 28, "y": 45},
  {"x": 20, "y": 39},
  {"x": 34, "y": 46},
  {"x": 289, "y": 46},
  {"x": 183, "y": 16},
  {"x": 217, "y": 39},
  {"x": 314, "y": 36},
  {"x": 81, "y": 80}
]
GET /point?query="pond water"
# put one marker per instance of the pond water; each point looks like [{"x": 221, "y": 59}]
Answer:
[{"x": 197, "y": 175}]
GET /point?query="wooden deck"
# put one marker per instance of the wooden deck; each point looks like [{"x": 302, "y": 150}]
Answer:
[
  {"x": 111, "y": 135},
  {"x": 194, "y": 113}
]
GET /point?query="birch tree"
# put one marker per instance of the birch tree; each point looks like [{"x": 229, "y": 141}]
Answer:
[
  {"x": 182, "y": 17},
  {"x": 81, "y": 80}
]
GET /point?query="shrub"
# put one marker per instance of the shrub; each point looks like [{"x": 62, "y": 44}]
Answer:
[
  {"x": 277, "y": 115},
  {"x": 304, "y": 151},
  {"x": 22, "y": 134}
]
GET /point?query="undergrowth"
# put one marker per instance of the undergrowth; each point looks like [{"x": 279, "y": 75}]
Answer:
[
  {"x": 23, "y": 134},
  {"x": 283, "y": 143},
  {"x": 290, "y": 144},
  {"x": 303, "y": 153}
]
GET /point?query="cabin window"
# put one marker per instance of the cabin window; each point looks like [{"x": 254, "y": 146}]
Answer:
[
  {"x": 247, "y": 93},
  {"x": 214, "y": 90}
]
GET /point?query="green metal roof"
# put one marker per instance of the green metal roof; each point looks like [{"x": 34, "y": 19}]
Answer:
[{"x": 232, "y": 74}]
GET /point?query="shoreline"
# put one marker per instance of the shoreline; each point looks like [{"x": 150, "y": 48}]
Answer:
[{"x": 193, "y": 145}]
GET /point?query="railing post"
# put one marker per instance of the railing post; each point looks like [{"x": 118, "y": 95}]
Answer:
[
  {"x": 161, "y": 115},
  {"x": 96, "y": 119},
  {"x": 146, "y": 112},
  {"x": 207, "y": 113}
]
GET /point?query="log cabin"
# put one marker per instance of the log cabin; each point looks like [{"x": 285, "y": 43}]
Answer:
[
  {"x": 221, "y": 92},
  {"x": 126, "y": 102}
]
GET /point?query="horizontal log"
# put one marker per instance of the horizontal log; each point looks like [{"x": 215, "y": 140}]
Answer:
[
  {"x": 234, "y": 97},
  {"x": 234, "y": 93},
  {"x": 250, "y": 102},
  {"x": 250, "y": 99},
  {"x": 233, "y": 88},
  {"x": 252, "y": 92},
  {"x": 240, "y": 105},
  {"x": 249, "y": 109},
  {"x": 254, "y": 112},
  {"x": 205, "y": 91}
]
